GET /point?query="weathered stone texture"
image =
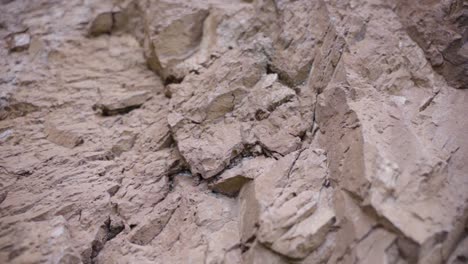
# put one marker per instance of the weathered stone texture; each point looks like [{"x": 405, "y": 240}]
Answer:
[{"x": 219, "y": 131}]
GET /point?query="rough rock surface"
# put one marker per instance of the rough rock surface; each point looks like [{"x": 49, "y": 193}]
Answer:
[
  {"x": 441, "y": 29},
  {"x": 221, "y": 131}
]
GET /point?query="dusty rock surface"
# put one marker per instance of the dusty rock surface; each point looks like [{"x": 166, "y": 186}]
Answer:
[{"x": 221, "y": 131}]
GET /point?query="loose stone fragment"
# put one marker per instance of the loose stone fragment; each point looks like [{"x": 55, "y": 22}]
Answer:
[{"x": 18, "y": 41}]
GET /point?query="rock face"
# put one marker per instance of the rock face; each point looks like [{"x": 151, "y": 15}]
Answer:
[
  {"x": 440, "y": 29},
  {"x": 264, "y": 131}
]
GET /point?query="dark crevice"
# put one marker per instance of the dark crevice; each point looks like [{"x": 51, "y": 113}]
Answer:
[
  {"x": 294, "y": 162},
  {"x": 269, "y": 69},
  {"x": 248, "y": 243},
  {"x": 247, "y": 153},
  {"x": 113, "y": 230},
  {"x": 172, "y": 79},
  {"x": 236, "y": 160},
  {"x": 369, "y": 232},
  {"x": 462, "y": 258},
  {"x": 268, "y": 152},
  {"x": 3, "y": 196},
  {"x": 107, "y": 231},
  {"x": 105, "y": 111},
  {"x": 428, "y": 102},
  {"x": 177, "y": 168},
  {"x": 282, "y": 77},
  {"x": 171, "y": 183},
  {"x": 285, "y": 100},
  {"x": 114, "y": 21}
]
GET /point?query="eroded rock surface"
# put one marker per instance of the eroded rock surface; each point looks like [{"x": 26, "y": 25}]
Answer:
[
  {"x": 440, "y": 29},
  {"x": 264, "y": 131}
]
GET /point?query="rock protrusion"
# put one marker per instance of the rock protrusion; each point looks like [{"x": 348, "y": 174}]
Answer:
[
  {"x": 107, "y": 22},
  {"x": 63, "y": 135},
  {"x": 121, "y": 103},
  {"x": 18, "y": 42}
]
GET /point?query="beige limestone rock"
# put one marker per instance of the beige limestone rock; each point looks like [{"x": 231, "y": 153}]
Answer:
[
  {"x": 230, "y": 182},
  {"x": 280, "y": 210},
  {"x": 459, "y": 254},
  {"x": 121, "y": 103},
  {"x": 179, "y": 38},
  {"x": 266, "y": 131},
  {"x": 259, "y": 254},
  {"x": 153, "y": 225},
  {"x": 229, "y": 186},
  {"x": 125, "y": 143},
  {"x": 210, "y": 155},
  {"x": 301, "y": 27},
  {"x": 18, "y": 41},
  {"x": 12, "y": 109},
  {"x": 40, "y": 242},
  {"x": 62, "y": 135},
  {"x": 297, "y": 221},
  {"x": 439, "y": 28},
  {"x": 101, "y": 24}
]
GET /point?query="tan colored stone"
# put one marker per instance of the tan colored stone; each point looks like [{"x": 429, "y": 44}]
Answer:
[
  {"x": 459, "y": 255},
  {"x": 121, "y": 103},
  {"x": 124, "y": 144},
  {"x": 102, "y": 24},
  {"x": 153, "y": 225},
  {"x": 439, "y": 28},
  {"x": 18, "y": 41},
  {"x": 230, "y": 186},
  {"x": 337, "y": 122},
  {"x": 63, "y": 136},
  {"x": 231, "y": 181},
  {"x": 259, "y": 254},
  {"x": 299, "y": 219},
  {"x": 29, "y": 241},
  {"x": 372, "y": 249}
]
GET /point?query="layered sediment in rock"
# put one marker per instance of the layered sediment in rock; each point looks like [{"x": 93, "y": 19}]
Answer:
[{"x": 265, "y": 131}]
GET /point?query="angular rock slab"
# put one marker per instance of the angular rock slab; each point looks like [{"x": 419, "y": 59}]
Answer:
[
  {"x": 231, "y": 181},
  {"x": 287, "y": 208},
  {"x": 63, "y": 135},
  {"x": 121, "y": 103},
  {"x": 18, "y": 41}
]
